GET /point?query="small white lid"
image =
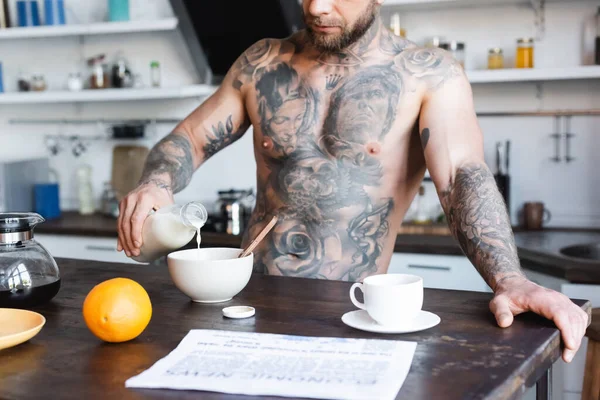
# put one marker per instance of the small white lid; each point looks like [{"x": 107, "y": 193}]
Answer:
[{"x": 239, "y": 312}]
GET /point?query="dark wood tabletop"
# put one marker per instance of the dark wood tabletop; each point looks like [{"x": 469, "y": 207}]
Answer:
[{"x": 465, "y": 356}]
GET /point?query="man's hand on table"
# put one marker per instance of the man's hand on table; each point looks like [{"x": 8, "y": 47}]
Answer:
[{"x": 516, "y": 295}]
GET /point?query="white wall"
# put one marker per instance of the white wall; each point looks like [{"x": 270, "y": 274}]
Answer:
[{"x": 571, "y": 191}]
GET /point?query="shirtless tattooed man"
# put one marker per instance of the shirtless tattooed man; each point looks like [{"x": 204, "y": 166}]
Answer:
[{"x": 345, "y": 119}]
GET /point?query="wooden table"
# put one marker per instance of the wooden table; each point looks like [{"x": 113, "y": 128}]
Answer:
[{"x": 466, "y": 356}]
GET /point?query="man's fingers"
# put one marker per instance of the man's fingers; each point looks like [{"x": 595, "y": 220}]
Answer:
[
  {"x": 126, "y": 240},
  {"x": 138, "y": 217},
  {"x": 570, "y": 328},
  {"x": 501, "y": 308},
  {"x": 120, "y": 246}
]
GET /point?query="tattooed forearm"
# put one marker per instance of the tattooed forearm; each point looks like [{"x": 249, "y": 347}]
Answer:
[
  {"x": 223, "y": 135},
  {"x": 478, "y": 219},
  {"x": 170, "y": 164}
]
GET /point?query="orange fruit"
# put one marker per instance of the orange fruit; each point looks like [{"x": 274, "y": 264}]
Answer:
[{"x": 117, "y": 310}]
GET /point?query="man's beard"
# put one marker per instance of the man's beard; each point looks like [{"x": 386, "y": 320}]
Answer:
[{"x": 349, "y": 36}]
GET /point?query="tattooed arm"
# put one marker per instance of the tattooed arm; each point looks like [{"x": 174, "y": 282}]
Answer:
[
  {"x": 476, "y": 212},
  {"x": 218, "y": 122}
]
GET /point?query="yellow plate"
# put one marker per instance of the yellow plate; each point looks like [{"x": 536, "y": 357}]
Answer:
[{"x": 18, "y": 326}]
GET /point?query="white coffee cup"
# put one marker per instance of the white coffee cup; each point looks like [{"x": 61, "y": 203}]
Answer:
[{"x": 390, "y": 299}]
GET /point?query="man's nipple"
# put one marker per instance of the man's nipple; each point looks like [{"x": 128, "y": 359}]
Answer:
[
  {"x": 267, "y": 143},
  {"x": 373, "y": 148}
]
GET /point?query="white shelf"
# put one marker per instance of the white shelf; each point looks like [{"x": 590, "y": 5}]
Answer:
[
  {"x": 101, "y": 28},
  {"x": 420, "y": 5},
  {"x": 106, "y": 95},
  {"x": 534, "y": 75}
]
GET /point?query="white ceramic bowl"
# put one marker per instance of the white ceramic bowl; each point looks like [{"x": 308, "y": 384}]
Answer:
[{"x": 210, "y": 275}]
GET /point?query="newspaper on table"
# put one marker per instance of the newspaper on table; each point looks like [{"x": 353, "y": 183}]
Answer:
[{"x": 282, "y": 365}]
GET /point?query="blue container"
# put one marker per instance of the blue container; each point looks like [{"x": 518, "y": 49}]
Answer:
[
  {"x": 47, "y": 200},
  {"x": 1, "y": 80},
  {"x": 28, "y": 13},
  {"x": 54, "y": 12},
  {"x": 118, "y": 10}
]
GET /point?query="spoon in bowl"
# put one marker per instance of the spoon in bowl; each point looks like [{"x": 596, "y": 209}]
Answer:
[{"x": 259, "y": 238}]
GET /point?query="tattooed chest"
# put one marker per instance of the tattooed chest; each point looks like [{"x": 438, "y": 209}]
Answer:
[
  {"x": 337, "y": 114},
  {"x": 320, "y": 137}
]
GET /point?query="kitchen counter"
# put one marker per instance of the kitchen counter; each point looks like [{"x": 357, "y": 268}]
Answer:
[
  {"x": 539, "y": 251},
  {"x": 97, "y": 225},
  {"x": 411, "y": 239},
  {"x": 465, "y": 356}
]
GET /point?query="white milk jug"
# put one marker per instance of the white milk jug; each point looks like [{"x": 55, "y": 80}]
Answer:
[{"x": 169, "y": 229}]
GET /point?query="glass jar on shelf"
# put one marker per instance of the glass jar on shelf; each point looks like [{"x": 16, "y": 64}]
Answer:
[
  {"x": 155, "y": 77},
  {"x": 98, "y": 73},
  {"x": 434, "y": 42},
  {"x": 457, "y": 49},
  {"x": 525, "y": 53},
  {"x": 496, "y": 58}
]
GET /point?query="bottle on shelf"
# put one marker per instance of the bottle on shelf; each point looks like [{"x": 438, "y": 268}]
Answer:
[
  {"x": 396, "y": 26},
  {"x": 170, "y": 228},
  {"x": 155, "y": 77},
  {"x": 85, "y": 192}
]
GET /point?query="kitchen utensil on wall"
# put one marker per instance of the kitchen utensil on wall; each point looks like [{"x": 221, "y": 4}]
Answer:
[
  {"x": 28, "y": 13},
  {"x": 29, "y": 275},
  {"x": 4, "y": 14},
  {"x": 127, "y": 168},
  {"x": 598, "y": 37},
  {"x": 118, "y": 10},
  {"x": 535, "y": 215},
  {"x": 502, "y": 176}
]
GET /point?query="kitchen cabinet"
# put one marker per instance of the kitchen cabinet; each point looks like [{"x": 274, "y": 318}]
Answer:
[
  {"x": 440, "y": 272},
  {"x": 83, "y": 248}
]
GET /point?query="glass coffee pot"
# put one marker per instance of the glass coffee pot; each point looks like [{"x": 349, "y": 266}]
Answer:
[{"x": 29, "y": 275}]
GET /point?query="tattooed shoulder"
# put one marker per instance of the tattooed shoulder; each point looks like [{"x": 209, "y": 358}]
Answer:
[
  {"x": 255, "y": 57},
  {"x": 432, "y": 66},
  {"x": 260, "y": 55}
]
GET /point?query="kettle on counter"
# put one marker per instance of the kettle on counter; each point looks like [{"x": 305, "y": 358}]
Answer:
[
  {"x": 29, "y": 275},
  {"x": 234, "y": 208}
]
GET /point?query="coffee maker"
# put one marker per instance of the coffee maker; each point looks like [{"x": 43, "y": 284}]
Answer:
[{"x": 233, "y": 210}]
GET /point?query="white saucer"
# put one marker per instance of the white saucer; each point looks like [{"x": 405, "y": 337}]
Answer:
[{"x": 360, "y": 319}]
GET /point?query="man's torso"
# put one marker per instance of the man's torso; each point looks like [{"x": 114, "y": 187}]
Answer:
[{"x": 338, "y": 152}]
